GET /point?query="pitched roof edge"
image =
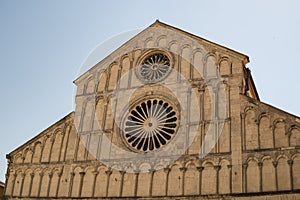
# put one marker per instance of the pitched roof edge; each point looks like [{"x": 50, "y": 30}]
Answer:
[
  {"x": 157, "y": 22},
  {"x": 65, "y": 118},
  {"x": 272, "y": 107}
]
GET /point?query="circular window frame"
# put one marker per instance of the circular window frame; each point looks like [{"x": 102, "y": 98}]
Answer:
[
  {"x": 146, "y": 56},
  {"x": 175, "y": 108}
]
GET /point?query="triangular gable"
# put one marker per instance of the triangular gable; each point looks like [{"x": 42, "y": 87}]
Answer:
[
  {"x": 44, "y": 132},
  {"x": 157, "y": 23}
]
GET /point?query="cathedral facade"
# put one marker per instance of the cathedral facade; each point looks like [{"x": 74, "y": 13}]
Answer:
[{"x": 168, "y": 115}]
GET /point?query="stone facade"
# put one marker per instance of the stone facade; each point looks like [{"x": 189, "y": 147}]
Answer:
[{"x": 227, "y": 144}]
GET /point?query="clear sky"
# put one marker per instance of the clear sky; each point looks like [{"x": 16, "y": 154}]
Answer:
[{"x": 44, "y": 43}]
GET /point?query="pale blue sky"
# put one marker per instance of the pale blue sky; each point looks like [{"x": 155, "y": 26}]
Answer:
[{"x": 44, "y": 43}]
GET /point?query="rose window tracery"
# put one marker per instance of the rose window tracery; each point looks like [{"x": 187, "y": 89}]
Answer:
[
  {"x": 150, "y": 125},
  {"x": 154, "y": 68}
]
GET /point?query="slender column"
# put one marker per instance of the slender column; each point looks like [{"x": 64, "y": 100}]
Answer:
[
  {"x": 58, "y": 184},
  {"x": 50, "y": 181},
  {"x": 167, "y": 171},
  {"x": 179, "y": 58},
  {"x": 94, "y": 182},
  {"x": 230, "y": 178},
  {"x": 6, "y": 181},
  {"x": 201, "y": 103},
  {"x": 68, "y": 131},
  {"x": 40, "y": 183},
  {"x": 30, "y": 184},
  {"x": 42, "y": 152},
  {"x": 22, "y": 183},
  {"x": 121, "y": 182},
  {"x": 291, "y": 162},
  {"x": 217, "y": 168},
  {"x": 183, "y": 170},
  {"x": 23, "y": 159},
  {"x": 191, "y": 67},
  {"x": 275, "y": 164},
  {"x": 260, "y": 165},
  {"x": 51, "y": 147},
  {"x": 258, "y": 132},
  {"x": 14, "y": 183},
  {"x": 130, "y": 71},
  {"x": 108, "y": 173},
  {"x": 200, "y": 169},
  {"x": 78, "y": 138},
  {"x": 81, "y": 182},
  {"x": 152, "y": 171},
  {"x": 98, "y": 155},
  {"x": 61, "y": 144},
  {"x": 188, "y": 120},
  {"x": 87, "y": 146},
  {"x": 136, "y": 173},
  {"x": 245, "y": 166},
  {"x": 72, "y": 174},
  {"x": 243, "y": 131}
]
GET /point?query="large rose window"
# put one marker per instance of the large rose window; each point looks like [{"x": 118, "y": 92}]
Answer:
[{"x": 150, "y": 125}]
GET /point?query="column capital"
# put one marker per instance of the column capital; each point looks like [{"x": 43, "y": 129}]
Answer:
[
  {"x": 290, "y": 162},
  {"x": 200, "y": 169},
  {"x": 275, "y": 163},
  {"x": 183, "y": 169},
  {"x": 81, "y": 173},
  {"x": 122, "y": 172},
  {"x": 108, "y": 172},
  {"x": 95, "y": 172},
  {"x": 167, "y": 170},
  {"x": 217, "y": 167}
]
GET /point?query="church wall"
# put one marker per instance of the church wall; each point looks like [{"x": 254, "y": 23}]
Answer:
[{"x": 255, "y": 148}]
